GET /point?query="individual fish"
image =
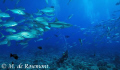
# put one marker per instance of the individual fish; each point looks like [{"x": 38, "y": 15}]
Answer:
[
  {"x": 118, "y": 3},
  {"x": 82, "y": 29},
  {"x": 10, "y": 24},
  {"x": 81, "y": 41},
  {"x": 10, "y": 30},
  {"x": 67, "y": 36},
  {"x": 23, "y": 43},
  {"x": 4, "y": 15},
  {"x": 109, "y": 29},
  {"x": 47, "y": 28},
  {"x": 48, "y": 9},
  {"x": 18, "y": 11},
  {"x": 56, "y": 35},
  {"x": 69, "y": 17},
  {"x": 40, "y": 39},
  {"x": 15, "y": 37},
  {"x": 42, "y": 21},
  {"x": 15, "y": 56},
  {"x": 26, "y": 34},
  {"x": 25, "y": 46},
  {"x": 40, "y": 47}
]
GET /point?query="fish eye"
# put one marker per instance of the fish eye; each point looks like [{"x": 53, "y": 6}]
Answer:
[{"x": 19, "y": 11}]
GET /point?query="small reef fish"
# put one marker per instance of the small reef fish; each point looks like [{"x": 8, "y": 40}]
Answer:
[{"x": 15, "y": 56}]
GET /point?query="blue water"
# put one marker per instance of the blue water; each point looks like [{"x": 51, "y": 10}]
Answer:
[{"x": 97, "y": 52}]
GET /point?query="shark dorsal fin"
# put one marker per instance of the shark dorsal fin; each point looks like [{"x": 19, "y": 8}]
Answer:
[{"x": 56, "y": 20}]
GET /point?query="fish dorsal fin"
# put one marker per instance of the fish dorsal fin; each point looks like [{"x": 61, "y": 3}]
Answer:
[{"x": 56, "y": 20}]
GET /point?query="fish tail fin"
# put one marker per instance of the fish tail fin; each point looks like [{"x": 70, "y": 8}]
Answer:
[
  {"x": 7, "y": 9},
  {"x": 40, "y": 11},
  {"x": 1, "y": 35},
  {"x": 43, "y": 13}
]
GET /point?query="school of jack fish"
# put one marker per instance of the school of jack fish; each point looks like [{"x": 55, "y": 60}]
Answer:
[
  {"x": 32, "y": 27},
  {"x": 29, "y": 27}
]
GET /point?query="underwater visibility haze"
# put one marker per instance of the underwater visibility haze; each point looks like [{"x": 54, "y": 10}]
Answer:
[{"x": 60, "y": 34}]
